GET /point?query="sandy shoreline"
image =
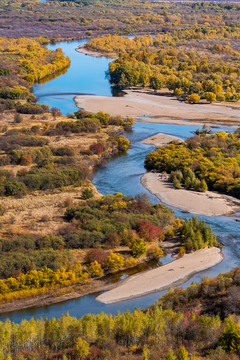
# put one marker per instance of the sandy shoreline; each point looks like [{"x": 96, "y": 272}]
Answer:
[
  {"x": 161, "y": 139},
  {"x": 162, "y": 108},
  {"x": 172, "y": 274},
  {"x": 208, "y": 203},
  {"x": 82, "y": 49}
]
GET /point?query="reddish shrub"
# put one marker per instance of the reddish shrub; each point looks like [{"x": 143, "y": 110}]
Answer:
[
  {"x": 140, "y": 206},
  {"x": 96, "y": 255},
  {"x": 96, "y": 148},
  {"x": 148, "y": 231}
]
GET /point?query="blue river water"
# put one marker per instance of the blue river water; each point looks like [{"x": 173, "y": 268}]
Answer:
[
  {"x": 86, "y": 75},
  {"x": 122, "y": 174}
]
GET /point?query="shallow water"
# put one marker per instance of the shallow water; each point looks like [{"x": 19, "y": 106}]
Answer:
[{"x": 122, "y": 174}]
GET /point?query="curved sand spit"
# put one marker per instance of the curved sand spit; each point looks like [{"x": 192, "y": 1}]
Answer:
[
  {"x": 202, "y": 203},
  {"x": 162, "y": 278},
  {"x": 82, "y": 49},
  {"x": 161, "y": 139}
]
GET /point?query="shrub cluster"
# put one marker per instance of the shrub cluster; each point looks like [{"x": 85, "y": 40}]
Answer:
[
  {"x": 195, "y": 234},
  {"x": 188, "y": 179},
  {"x": 115, "y": 220},
  {"x": 32, "y": 108}
]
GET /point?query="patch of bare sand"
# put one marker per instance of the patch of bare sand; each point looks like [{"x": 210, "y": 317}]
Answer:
[
  {"x": 208, "y": 203},
  {"x": 174, "y": 273},
  {"x": 137, "y": 103},
  {"x": 161, "y": 139},
  {"x": 84, "y": 50}
]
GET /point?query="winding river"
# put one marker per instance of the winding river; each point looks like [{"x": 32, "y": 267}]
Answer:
[{"x": 87, "y": 75}]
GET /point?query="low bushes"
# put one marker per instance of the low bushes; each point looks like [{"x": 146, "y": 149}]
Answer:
[{"x": 32, "y": 108}]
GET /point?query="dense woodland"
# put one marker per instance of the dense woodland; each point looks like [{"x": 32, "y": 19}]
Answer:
[
  {"x": 211, "y": 160},
  {"x": 23, "y": 62},
  {"x": 196, "y": 63},
  {"x": 196, "y": 323}
]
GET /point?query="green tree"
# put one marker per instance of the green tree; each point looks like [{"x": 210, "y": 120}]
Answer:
[
  {"x": 203, "y": 185},
  {"x": 170, "y": 356},
  {"x": 87, "y": 194},
  {"x": 155, "y": 83},
  {"x": 138, "y": 247},
  {"x": 13, "y": 188},
  {"x": 176, "y": 183},
  {"x": 230, "y": 339}
]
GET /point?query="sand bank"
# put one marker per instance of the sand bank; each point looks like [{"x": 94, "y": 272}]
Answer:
[
  {"x": 82, "y": 49},
  {"x": 208, "y": 203},
  {"x": 161, "y": 139},
  {"x": 162, "y": 278},
  {"x": 137, "y": 103}
]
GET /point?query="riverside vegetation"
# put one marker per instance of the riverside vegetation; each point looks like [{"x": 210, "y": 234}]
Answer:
[
  {"x": 201, "y": 162},
  {"x": 35, "y": 265},
  {"x": 23, "y": 62},
  {"x": 201, "y": 322},
  {"x": 193, "y": 63}
]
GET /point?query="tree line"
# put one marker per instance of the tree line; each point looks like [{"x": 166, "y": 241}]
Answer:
[
  {"x": 192, "y": 63},
  {"x": 186, "y": 319}
]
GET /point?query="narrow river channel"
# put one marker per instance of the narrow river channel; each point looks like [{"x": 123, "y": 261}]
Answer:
[{"x": 87, "y": 75}]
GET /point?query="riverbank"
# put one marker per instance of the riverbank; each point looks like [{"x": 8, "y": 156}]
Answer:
[
  {"x": 77, "y": 291},
  {"x": 55, "y": 297},
  {"x": 84, "y": 50},
  {"x": 162, "y": 278},
  {"x": 137, "y": 103},
  {"x": 202, "y": 203},
  {"x": 161, "y": 139}
]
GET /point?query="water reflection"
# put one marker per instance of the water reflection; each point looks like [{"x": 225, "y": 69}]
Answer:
[
  {"x": 117, "y": 91},
  {"x": 53, "y": 76},
  {"x": 86, "y": 75}
]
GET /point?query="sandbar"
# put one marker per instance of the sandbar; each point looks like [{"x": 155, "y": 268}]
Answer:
[
  {"x": 207, "y": 203},
  {"x": 167, "y": 108},
  {"x": 84, "y": 50},
  {"x": 161, "y": 139},
  {"x": 161, "y": 278}
]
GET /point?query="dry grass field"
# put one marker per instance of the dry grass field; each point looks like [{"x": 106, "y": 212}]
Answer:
[{"x": 41, "y": 213}]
